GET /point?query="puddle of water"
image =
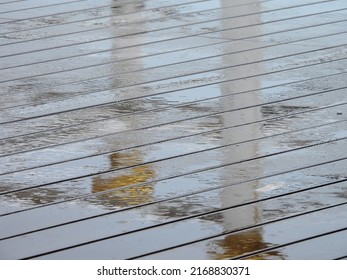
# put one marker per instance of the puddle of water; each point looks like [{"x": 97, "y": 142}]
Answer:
[{"x": 133, "y": 182}]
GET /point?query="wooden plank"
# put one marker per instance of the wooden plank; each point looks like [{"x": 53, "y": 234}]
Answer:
[
  {"x": 192, "y": 94},
  {"x": 74, "y": 5},
  {"x": 324, "y": 247},
  {"x": 101, "y": 84},
  {"x": 101, "y": 18},
  {"x": 150, "y": 240},
  {"x": 225, "y": 128},
  {"x": 97, "y": 13},
  {"x": 203, "y": 55},
  {"x": 169, "y": 72},
  {"x": 205, "y": 11},
  {"x": 34, "y": 147},
  {"x": 127, "y": 39},
  {"x": 29, "y": 5},
  {"x": 155, "y": 175},
  {"x": 285, "y": 181},
  {"x": 11, "y": 1}
]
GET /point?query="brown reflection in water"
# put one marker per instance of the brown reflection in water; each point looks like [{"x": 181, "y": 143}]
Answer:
[
  {"x": 136, "y": 175},
  {"x": 139, "y": 174},
  {"x": 239, "y": 244}
]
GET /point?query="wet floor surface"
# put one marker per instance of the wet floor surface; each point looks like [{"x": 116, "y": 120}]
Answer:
[{"x": 186, "y": 129}]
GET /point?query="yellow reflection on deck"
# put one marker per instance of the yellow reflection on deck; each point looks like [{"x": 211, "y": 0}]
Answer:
[{"x": 138, "y": 174}]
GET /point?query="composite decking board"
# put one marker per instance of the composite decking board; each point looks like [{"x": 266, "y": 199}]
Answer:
[
  {"x": 82, "y": 80},
  {"x": 129, "y": 155},
  {"x": 83, "y": 17},
  {"x": 97, "y": 13},
  {"x": 39, "y": 152},
  {"x": 110, "y": 67},
  {"x": 79, "y": 187},
  {"x": 171, "y": 181},
  {"x": 157, "y": 10},
  {"x": 87, "y": 167},
  {"x": 23, "y": 113},
  {"x": 246, "y": 70},
  {"x": 267, "y": 189},
  {"x": 195, "y": 2},
  {"x": 266, "y": 186},
  {"x": 19, "y": 95},
  {"x": 26, "y": 5},
  {"x": 263, "y": 238},
  {"x": 164, "y": 109},
  {"x": 192, "y": 95},
  {"x": 157, "y": 142},
  {"x": 199, "y": 29},
  {"x": 322, "y": 116},
  {"x": 152, "y": 14},
  {"x": 106, "y": 4},
  {"x": 11, "y": 1},
  {"x": 156, "y": 50},
  {"x": 58, "y": 139},
  {"x": 71, "y": 84},
  {"x": 151, "y": 240},
  {"x": 76, "y": 5},
  {"x": 325, "y": 246},
  {"x": 97, "y": 85},
  {"x": 159, "y": 184},
  {"x": 205, "y": 11},
  {"x": 105, "y": 230},
  {"x": 137, "y": 54},
  {"x": 191, "y": 98}
]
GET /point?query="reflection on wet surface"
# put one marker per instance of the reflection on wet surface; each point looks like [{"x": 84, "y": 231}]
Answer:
[
  {"x": 329, "y": 246},
  {"x": 192, "y": 120},
  {"x": 136, "y": 175},
  {"x": 238, "y": 244}
]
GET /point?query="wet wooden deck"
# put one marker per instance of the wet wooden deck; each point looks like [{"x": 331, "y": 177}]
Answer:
[{"x": 173, "y": 129}]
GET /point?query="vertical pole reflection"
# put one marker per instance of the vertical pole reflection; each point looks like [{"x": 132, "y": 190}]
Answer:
[
  {"x": 139, "y": 174},
  {"x": 237, "y": 244}
]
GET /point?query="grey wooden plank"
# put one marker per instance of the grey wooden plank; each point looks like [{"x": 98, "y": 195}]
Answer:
[
  {"x": 154, "y": 17},
  {"x": 101, "y": 18},
  {"x": 242, "y": 132},
  {"x": 150, "y": 240},
  {"x": 11, "y": 1},
  {"x": 88, "y": 166},
  {"x": 98, "y": 13},
  {"x": 107, "y": 66},
  {"x": 245, "y": 68},
  {"x": 194, "y": 93},
  {"x": 325, "y": 247},
  {"x": 192, "y": 97},
  {"x": 149, "y": 174},
  {"x": 24, "y": 92},
  {"x": 28, "y": 151},
  {"x": 197, "y": 207},
  {"x": 75, "y": 5},
  {"x": 269, "y": 238},
  {"x": 52, "y": 51},
  {"x": 105, "y": 49},
  {"x": 28, "y": 5},
  {"x": 171, "y": 33},
  {"x": 304, "y": 178}
]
